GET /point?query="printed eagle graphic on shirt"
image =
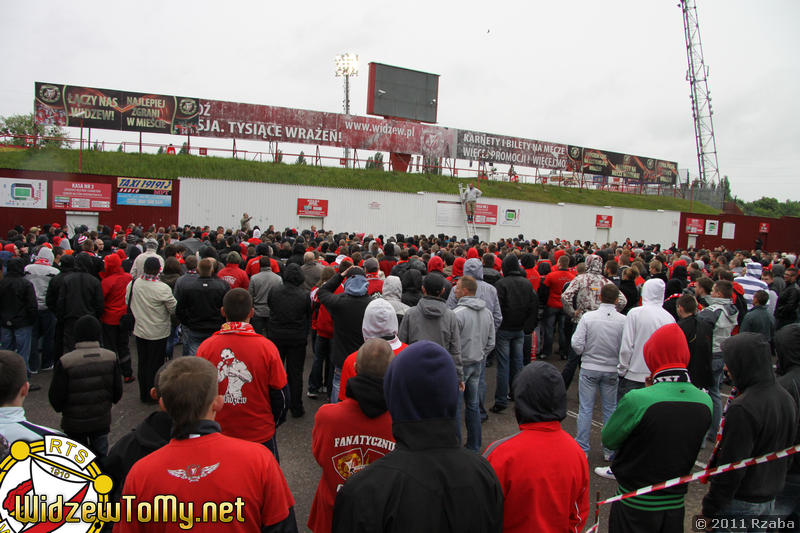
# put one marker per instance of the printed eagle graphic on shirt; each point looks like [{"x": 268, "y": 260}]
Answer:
[
  {"x": 236, "y": 373},
  {"x": 193, "y": 473}
]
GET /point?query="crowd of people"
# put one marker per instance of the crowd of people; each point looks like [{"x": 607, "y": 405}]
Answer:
[{"x": 402, "y": 329}]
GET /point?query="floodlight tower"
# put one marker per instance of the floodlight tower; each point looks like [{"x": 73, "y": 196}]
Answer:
[
  {"x": 697, "y": 76},
  {"x": 346, "y": 66}
]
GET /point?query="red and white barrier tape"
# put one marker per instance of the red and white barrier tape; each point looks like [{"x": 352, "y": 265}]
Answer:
[{"x": 699, "y": 475}]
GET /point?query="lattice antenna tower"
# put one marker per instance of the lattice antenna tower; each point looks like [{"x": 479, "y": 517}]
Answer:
[{"x": 697, "y": 76}]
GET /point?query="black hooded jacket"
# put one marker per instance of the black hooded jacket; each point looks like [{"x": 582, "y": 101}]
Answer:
[
  {"x": 18, "y": 305},
  {"x": 75, "y": 293},
  {"x": 761, "y": 420},
  {"x": 290, "y": 308},
  {"x": 412, "y": 287},
  {"x": 150, "y": 435},
  {"x": 429, "y": 483},
  {"x": 539, "y": 394},
  {"x": 368, "y": 392},
  {"x": 518, "y": 302},
  {"x": 699, "y": 337},
  {"x": 787, "y": 345}
]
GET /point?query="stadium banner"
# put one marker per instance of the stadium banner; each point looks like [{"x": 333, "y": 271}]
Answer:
[
  {"x": 146, "y": 192},
  {"x": 81, "y": 196},
  {"x": 486, "y": 214},
  {"x": 69, "y": 105},
  {"x": 312, "y": 207},
  {"x": 23, "y": 193},
  {"x": 283, "y": 124},
  {"x": 630, "y": 167},
  {"x": 475, "y": 145}
]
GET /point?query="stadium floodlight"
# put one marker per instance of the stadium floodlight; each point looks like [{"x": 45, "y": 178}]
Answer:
[{"x": 346, "y": 66}]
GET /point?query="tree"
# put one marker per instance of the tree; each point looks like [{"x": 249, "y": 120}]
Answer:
[
  {"x": 301, "y": 159},
  {"x": 119, "y": 149},
  {"x": 160, "y": 149},
  {"x": 376, "y": 161},
  {"x": 431, "y": 165},
  {"x": 17, "y": 127},
  {"x": 184, "y": 148}
]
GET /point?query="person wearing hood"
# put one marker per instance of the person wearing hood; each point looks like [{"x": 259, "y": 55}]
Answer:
[
  {"x": 148, "y": 436},
  {"x": 751, "y": 282},
  {"x": 115, "y": 335},
  {"x": 787, "y": 346},
  {"x": 41, "y": 272},
  {"x": 392, "y": 293},
  {"x": 722, "y": 314},
  {"x": 519, "y": 306},
  {"x": 289, "y": 320},
  {"x": 380, "y": 322},
  {"x": 412, "y": 287},
  {"x": 546, "y": 491},
  {"x": 347, "y": 312},
  {"x": 640, "y": 323},
  {"x": 457, "y": 272},
  {"x": 358, "y": 425},
  {"x": 18, "y": 310},
  {"x": 436, "y": 268},
  {"x": 429, "y": 482},
  {"x": 760, "y": 419},
  {"x": 477, "y": 337},
  {"x": 657, "y": 433},
  {"x": 432, "y": 320},
  {"x": 77, "y": 294},
  {"x": 582, "y": 295}
]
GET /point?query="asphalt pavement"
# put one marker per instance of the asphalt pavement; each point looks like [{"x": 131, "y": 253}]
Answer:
[{"x": 302, "y": 471}]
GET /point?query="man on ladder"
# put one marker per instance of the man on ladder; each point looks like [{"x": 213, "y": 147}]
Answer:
[{"x": 470, "y": 196}]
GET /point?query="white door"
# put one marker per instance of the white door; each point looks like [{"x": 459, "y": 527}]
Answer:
[
  {"x": 601, "y": 236},
  {"x": 307, "y": 222},
  {"x": 78, "y": 218},
  {"x": 691, "y": 241},
  {"x": 482, "y": 233}
]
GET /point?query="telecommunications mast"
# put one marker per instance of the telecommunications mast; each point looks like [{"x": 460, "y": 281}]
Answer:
[{"x": 697, "y": 76}]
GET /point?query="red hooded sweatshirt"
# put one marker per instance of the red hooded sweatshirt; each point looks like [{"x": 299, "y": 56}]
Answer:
[{"x": 114, "y": 284}]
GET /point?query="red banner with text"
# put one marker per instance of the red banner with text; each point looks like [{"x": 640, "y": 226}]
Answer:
[{"x": 81, "y": 196}]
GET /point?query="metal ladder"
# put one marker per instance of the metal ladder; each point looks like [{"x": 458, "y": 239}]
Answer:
[{"x": 468, "y": 226}]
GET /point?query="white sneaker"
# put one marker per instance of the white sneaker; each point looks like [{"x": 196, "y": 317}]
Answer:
[{"x": 605, "y": 471}]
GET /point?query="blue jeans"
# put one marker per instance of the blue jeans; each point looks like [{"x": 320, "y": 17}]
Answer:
[
  {"x": 482, "y": 393},
  {"x": 337, "y": 381},
  {"x": 717, "y": 364},
  {"x": 508, "y": 347},
  {"x": 192, "y": 340},
  {"x": 18, "y": 340},
  {"x": 553, "y": 315},
  {"x": 44, "y": 332},
  {"x": 746, "y": 510},
  {"x": 589, "y": 382},
  {"x": 787, "y": 503},
  {"x": 472, "y": 415},
  {"x": 172, "y": 340}
]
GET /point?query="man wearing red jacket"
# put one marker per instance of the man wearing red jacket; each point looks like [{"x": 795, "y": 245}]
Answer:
[
  {"x": 201, "y": 465},
  {"x": 250, "y": 374},
  {"x": 546, "y": 491},
  {"x": 232, "y": 274},
  {"x": 115, "y": 335},
  {"x": 353, "y": 433},
  {"x": 554, "y": 312}
]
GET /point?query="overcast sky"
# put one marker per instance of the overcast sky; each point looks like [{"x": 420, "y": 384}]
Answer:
[{"x": 607, "y": 75}]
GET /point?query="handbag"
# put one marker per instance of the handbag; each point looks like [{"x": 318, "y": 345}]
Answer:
[{"x": 127, "y": 321}]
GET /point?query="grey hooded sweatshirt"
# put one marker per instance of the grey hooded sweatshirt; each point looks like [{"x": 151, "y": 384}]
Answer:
[
  {"x": 475, "y": 328},
  {"x": 485, "y": 292},
  {"x": 431, "y": 320}
]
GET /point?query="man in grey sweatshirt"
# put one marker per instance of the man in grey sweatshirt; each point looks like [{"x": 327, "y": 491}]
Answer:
[{"x": 476, "y": 330}]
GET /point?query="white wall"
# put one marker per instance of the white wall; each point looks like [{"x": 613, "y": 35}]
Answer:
[{"x": 221, "y": 203}]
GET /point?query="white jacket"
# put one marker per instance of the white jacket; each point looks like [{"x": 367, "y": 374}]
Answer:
[
  {"x": 597, "y": 338},
  {"x": 472, "y": 195},
  {"x": 640, "y": 323},
  {"x": 152, "y": 305}
]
